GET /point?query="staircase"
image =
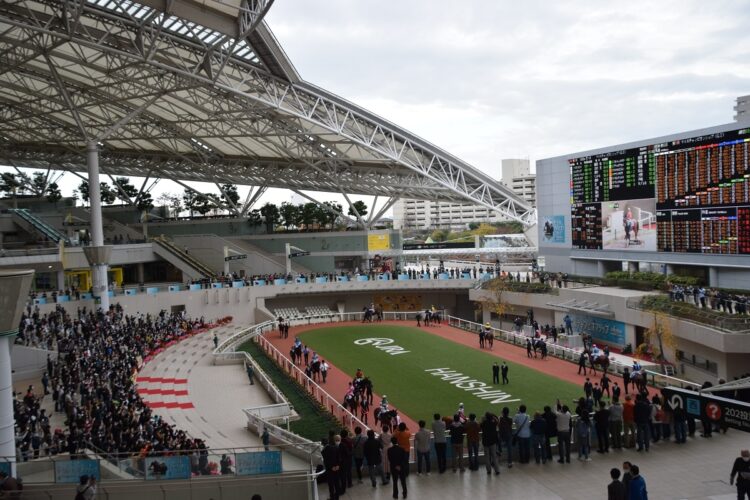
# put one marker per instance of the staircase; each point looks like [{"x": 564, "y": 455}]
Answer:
[
  {"x": 278, "y": 260},
  {"x": 189, "y": 265},
  {"x": 32, "y": 223}
]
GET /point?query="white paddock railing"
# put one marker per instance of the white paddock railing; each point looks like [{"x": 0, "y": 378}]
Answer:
[{"x": 656, "y": 379}]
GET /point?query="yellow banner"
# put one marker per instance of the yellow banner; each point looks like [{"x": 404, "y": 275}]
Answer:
[{"x": 378, "y": 242}]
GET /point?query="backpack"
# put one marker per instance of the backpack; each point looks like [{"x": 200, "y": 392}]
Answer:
[{"x": 80, "y": 496}]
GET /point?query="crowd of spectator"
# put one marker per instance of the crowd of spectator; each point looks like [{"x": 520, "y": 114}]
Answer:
[
  {"x": 717, "y": 300},
  {"x": 455, "y": 440},
  {"x": 92, "y": 383}
]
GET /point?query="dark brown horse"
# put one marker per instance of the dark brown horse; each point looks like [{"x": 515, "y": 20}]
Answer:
[{"x": 602, "y": 361}]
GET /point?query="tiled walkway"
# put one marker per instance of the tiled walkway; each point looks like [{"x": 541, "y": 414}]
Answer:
[{"x": 183, "y": 386}]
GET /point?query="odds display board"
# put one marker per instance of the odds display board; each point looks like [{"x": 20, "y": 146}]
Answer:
[{"x": 688, "y": 195}]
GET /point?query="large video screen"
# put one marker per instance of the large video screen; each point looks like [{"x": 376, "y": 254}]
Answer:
[{"x": 688, "y": 195}]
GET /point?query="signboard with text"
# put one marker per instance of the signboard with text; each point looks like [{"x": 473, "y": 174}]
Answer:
[
  {"x": 725, "y": 412},
  {"x": 70, "y": 471},
  {"x": 258, "y": 462},
  {"x": 601, "y": 329}
]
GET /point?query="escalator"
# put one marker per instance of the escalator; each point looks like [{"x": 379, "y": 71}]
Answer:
[
  {"x": 32, "y": 223},
  {"x": 178, "y": 257}
]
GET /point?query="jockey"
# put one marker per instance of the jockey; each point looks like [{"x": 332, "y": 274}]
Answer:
[
  {"x": 384, "y": 403},
  {"x": 636, "y": 366},
  {"x": 595, "y": 352},
  {"x": 297, "y": 342},
  {"x": 460, "y": 412},
  {"x": 359, "y": 374}
]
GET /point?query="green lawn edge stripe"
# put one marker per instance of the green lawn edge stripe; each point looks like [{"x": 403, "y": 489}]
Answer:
[{"x": 315, "y": 422}]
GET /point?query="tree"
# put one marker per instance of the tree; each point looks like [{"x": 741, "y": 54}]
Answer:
[
  {"x": 289, "y": 214},
  {"x": 473, "y": 225},
  {"x": 127, "y": 191},
  {"x": 83, "y": 191},
  {"x": 144, "y": 202},
  {"x": 230, "y": 196},
  {"x": 202, "y": 204},
  {"x": 254, "y": 218},
  {"x": 331, "y": 217},
  {"x": 361, "y": 208},
  {"x": 107, "y": 194},
  {"x": 188, "y": 197},
  {"x": 660, "y": 339},
  {"x": 10, "y": 186},
  {"x": 271, "y": 215},
  {"x": 492, "y": 299},
  {"x": 38, "y": 183},
  {"x": 53, "y": 193},
  {"x": 172, "y": 202},
  {"x": 439, "y": 235},
  {"x": 196, "y": 202},
  {"x": 308, "y": 214}
]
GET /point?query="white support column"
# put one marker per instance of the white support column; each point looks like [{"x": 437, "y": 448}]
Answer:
[
  {"x": 61, "y": 279},
  {"x": 14, "y": 292},
  {"x": 98, "y": 270},
  {"x": 288, "y": 248},
  {"x": 140, "y": 271},
  {"x": 7, "y": 422},
  {"x": 226, "y": 262}
]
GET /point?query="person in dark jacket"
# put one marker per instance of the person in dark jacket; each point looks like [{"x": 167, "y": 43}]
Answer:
[
  {"x": 346, "y": 450},
  {"x": 615, "y": 489},
  {"x": 332, "y": 466},
  {"x": 399, "y": 461},
  {"x": 741, "y": 471},
  {"x": 373, "y": 450},
  {"x": 489, "y": 442},
  {"x": 626, "y": 476},
  {"x": 679, "y": 417},
  {"x": 642, "y": 418},
  {"x": 538, "y": 432}
]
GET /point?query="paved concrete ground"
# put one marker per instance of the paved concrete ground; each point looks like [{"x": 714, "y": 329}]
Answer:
[
  {"x": 697, "y": 470},
  {"x": 211, "y": 408}
]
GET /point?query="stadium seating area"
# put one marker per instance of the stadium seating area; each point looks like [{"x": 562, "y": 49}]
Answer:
[
  {"x": 320, "y": 311},
  {"x": 288, "y": 312}
]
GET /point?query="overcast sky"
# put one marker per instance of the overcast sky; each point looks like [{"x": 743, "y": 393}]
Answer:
[{"x": 493, "y": 79}]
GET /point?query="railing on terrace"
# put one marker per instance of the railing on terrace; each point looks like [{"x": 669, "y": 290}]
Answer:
[
  {"x": 29, "y": 252},
  {"x": 685, "y": 311},
  {"x": 195, "y": 464}
]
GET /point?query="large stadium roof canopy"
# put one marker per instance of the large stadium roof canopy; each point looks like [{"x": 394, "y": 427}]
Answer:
[{"x": 202, "y": 91}]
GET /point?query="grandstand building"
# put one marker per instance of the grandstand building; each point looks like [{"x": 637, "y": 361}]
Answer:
[{"x": 201, "y": 90}]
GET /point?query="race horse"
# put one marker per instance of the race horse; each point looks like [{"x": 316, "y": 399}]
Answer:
[
  {"x": 428, "y": 317},
  {"x": 639, "y": 379},
  {"x": 602, "y": 361},
  {"x": 388, "y": 417},
  {"x": 369, "y": 313}
]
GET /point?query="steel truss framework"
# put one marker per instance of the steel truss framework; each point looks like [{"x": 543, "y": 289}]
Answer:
[{"x": 167, "y": 97}]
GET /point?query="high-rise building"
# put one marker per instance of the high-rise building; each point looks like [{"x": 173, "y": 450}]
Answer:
[
  {"x": 427, "y": 214},
  {"x": 516, "y": 174},
  {"x": 742, "y": 108}
]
